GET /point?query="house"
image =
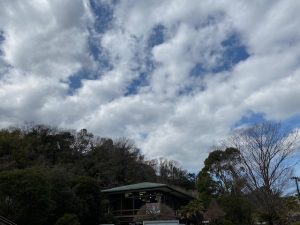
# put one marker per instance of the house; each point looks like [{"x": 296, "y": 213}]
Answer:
[{"x": 145, "y": 201}]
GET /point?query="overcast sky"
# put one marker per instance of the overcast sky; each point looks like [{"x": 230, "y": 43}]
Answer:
[{"x": 176, "y": 76}]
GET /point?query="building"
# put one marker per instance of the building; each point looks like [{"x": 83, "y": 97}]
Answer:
[{"x": 145, "y": 201}]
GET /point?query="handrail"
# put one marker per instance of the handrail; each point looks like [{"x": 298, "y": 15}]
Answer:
[{"x": 6, "y": 221}]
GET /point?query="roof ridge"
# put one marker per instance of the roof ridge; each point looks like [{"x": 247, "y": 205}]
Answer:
[{"x": 136, "y": 186}]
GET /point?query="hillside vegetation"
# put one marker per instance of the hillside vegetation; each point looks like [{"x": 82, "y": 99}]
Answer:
[{"x": 49, "y": 175}]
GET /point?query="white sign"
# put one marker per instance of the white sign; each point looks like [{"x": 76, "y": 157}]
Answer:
[{"x": 161, "y": 222}]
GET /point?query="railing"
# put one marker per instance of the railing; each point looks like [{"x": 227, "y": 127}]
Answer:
[
  {"x": 128, "y": 212},
  {"x": 6, "y": 221}
]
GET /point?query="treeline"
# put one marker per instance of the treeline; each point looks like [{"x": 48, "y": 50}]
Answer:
[
  {"x": 54, "y": 176},
  {"x": 247, "y": 179}
]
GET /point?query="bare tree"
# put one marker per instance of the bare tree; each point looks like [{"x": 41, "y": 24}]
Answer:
[{"x": 267, "y": 152}]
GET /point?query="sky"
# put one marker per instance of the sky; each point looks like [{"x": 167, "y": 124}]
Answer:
[{"x": 175, "y": 76}]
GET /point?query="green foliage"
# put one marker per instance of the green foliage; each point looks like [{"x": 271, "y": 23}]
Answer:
[
  {"x": 228, "y": 222},
  {"x": 296, "y": 223},
  {"x": 119, "y": 163},
  {"x": 25, "y": 196},
  {"x": 89, "y": 200},
  {"x": 63, "y": 197},
  {"x": 206, "y": 187},
  {"x": 237, "y": 209},
  {"x": 68, "y": 219},
  {"x": 193, "y": 211},
  {"x": 223, "y": 169},
  {"x": 222, "y": 179},
  {"x": 46, "y": 173},
  {"x": 220, "y": 175}
]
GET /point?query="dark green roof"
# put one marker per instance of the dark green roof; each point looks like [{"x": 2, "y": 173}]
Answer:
[
  {"x": 146, "y": 186},
  {"x": 132, "y": 187}
]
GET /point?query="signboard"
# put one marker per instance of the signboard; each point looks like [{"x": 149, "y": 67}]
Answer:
[{"x": 161, "y": 222}]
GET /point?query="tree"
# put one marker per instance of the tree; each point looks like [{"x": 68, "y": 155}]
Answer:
[
  {"x": 237, "y": 209},
  {"x": 68, "y": 219},
  {"x": 62, "y": 195},
  {"x": 215, "y": 214},
  {"x": 89, "y": 200},
  {"x": 10, "y": 148},
  {"x": 222, "y": 172},
  {"x": 266, "y": 152},
  {"x": 25, "y": 196},
  {"x": 193, "y": 212},
  {"x": 222, "y": 179},
  {"x": 170, "y": 172},
  {"x": 115, "y": 163},
  {"x": 221, "y": 175}
]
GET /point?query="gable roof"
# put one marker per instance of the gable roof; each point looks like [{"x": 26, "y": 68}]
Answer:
[
  {"x": 132, "y": 187},
  {"x": 147, "y": 186}
]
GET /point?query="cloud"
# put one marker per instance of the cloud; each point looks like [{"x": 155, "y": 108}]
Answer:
[
  {"x": 175, "y": 77},
  {"x": 46, "y": 38}
]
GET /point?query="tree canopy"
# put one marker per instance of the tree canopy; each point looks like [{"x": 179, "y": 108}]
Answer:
[
  {"x": 248, "y": 175},
  {"x": 54, "y": 176}
]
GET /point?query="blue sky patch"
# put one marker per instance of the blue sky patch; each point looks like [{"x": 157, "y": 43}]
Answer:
[
  {"x": 2, "y": 38},
  {"x": 198, "y": 70},
  {"x": 99, "y": 54},
  {"x": 292, "y": 122},
  {"x": 234, "y": 52},
  {"x": 185, "y": 91},
  {"x": 75, "y": 80},
  {"x": 145, "y": 65},
  {"x": 136, "y": 84},
  {"x": 250, "y": 118},
  {"x": 104, "y": 15},
  {"x": 157, "y": 36},
  {"x": 104, "y": 18}
]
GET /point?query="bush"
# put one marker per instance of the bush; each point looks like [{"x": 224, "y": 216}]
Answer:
[
  {"x": 228, "y": 222},
  {"x": 68, "y": 219}
]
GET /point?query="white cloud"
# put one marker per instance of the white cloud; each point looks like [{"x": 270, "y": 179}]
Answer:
[
  {"x": 174, "y": 114},
  {"x": 47, "y": 38},
  {"x": 23, "y": 95},
  {"x": 279, "y": 100}
]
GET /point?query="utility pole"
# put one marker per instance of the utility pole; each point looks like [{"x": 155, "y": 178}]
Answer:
[{"x": 297, "y": 185}]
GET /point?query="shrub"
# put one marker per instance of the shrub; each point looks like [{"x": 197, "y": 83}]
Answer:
[{"x": 68, "y": 219}]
